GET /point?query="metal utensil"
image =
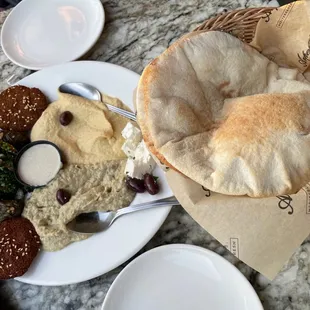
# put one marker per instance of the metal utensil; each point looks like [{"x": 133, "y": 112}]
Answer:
[
  {"x": 94, "y": 222},
  {"x": 13, "y": 79},
  {"x": 89, "y": 92}
]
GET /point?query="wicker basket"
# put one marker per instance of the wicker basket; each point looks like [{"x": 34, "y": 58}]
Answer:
[{"x": 240, "y": 23}]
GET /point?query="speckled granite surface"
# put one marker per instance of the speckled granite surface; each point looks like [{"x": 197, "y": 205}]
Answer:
[{"x": 135, "y": 32}]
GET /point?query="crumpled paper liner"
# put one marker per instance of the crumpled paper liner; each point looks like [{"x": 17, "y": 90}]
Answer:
[
  {"x": 263, "y": 233},
  {"x": 283, "y": 35}
]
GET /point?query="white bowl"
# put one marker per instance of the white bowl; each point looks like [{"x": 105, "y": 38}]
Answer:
[
  {"x": 181, "y": 277},
  {"x": 40, "y": 33}
]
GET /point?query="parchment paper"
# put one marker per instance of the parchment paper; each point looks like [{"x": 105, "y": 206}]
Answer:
[
  {"x": 283, "y": 35},
  {"x": 263, "y": 233}
]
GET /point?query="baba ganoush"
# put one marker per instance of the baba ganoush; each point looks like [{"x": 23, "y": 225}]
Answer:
[
  {"x": 93, "y": 135},
  {"x": 92, "y": 188}
]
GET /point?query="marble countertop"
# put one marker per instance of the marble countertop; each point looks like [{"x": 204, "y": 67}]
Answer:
[{"x": 135, "y": 32}]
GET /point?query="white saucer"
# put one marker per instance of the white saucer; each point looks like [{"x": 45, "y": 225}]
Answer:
[
  {"x": 181, "y": 277},
  {"x": 40, "y": 33}
]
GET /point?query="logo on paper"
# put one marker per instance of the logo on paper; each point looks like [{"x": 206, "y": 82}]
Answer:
[
  {"x": 207, "y": 191},
  {"x": 306, "y": 189},
  {"x": 285, "y": 202},
  {"x": 266, "y": 18},
  {"x": 284, "y": 15},
  {"x": 234, "y": 246},
  {"x": 304, "y": 57}
]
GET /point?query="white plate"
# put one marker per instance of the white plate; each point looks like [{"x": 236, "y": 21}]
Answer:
[
  {"x": 181, "y": 277},
  {"x": 101, "y": 253},
  {"x": 40, "y": 33}
]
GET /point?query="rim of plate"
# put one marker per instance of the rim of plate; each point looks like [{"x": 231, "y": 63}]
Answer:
[
  {"x": 117, "y": 263},
  {"x": 97, "y": 36},
  {"x": 151, "y": 232},
  {"x": 180, "y": 246}
]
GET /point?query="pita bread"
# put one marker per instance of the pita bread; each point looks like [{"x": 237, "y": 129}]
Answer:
[{"x": 222, "y": 114}]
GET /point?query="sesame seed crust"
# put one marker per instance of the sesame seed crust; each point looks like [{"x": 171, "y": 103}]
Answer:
[
  {"x": 18, "y": 245},
  {"x": 19, "y": 104}
]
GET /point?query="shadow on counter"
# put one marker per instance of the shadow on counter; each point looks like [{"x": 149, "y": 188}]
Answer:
[{"x": 6, "y": 298}]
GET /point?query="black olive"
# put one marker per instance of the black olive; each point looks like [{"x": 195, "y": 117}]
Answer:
[
  {"x": 151, "y": 184},
  {"x": 65, "y": 118},
  {"x": 63, "y": 196},
  {"x": 135, "y": 185}
]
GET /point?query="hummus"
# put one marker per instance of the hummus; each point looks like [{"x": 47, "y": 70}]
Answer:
[
  {"x": 92, "y": 188},
  {"x": 93, "y": 136}
]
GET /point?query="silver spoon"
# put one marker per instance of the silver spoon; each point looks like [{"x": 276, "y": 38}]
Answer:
[
  {"x": 94, "y": 222},
  {"x": 90, "y": 92}
]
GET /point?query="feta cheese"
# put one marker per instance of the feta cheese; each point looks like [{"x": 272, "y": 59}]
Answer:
[
  {"x": 133, "y": 137},
  {"x": 139, "y": 160},
  {"x": 130, "y": 132},
  {"x": 141, "y": 163},
  {"x": 129, "y": 148}
]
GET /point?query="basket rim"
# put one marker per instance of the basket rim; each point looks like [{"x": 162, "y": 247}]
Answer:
[
  {"x": 245, "y": 19},
  {"x": 257, "y": 10}
]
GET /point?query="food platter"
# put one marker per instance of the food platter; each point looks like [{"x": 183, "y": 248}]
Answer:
[{"x": 102, "y": 252}]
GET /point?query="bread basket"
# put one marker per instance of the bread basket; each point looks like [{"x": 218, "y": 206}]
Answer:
[
  {"x": 228, "y": 218},
  {"x": 239, "y": 23}
]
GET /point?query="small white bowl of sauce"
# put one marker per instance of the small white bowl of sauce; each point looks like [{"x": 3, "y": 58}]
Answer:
[{"x": 38, "y": 163}]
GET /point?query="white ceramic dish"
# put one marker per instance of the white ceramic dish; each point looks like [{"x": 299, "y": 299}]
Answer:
[
  {"x": 38, "y": 34},
  {"x": 101, "y": 253},
  {"x": 181, "y": 277}
]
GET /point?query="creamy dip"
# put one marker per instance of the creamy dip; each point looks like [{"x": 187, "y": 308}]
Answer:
[
  {"x": 98, "y": 187},
  {"x": 39, "y": 164},
  {"x": 93, "y": 136}
]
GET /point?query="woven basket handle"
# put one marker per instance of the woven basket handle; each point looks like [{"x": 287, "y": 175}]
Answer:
[{"x": 240, "y": 23}]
